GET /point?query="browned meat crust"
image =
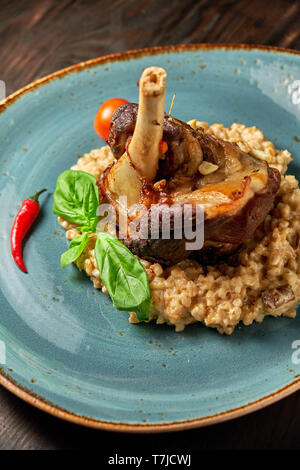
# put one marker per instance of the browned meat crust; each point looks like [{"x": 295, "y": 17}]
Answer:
[{"x": 222, "y": 235}]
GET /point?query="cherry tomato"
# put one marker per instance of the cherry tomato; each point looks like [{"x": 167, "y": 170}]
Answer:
[{"x": 104, "y": 114}]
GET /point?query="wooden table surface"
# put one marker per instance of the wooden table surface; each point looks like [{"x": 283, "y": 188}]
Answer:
[{"x": 38, "y": 37}]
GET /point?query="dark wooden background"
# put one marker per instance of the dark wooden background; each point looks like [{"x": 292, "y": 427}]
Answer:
[{"x": 38, "y": 37}]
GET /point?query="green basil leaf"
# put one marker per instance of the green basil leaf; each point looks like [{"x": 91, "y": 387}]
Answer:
[
  {"x": 123, "y": 276},
  {"x": 76, "y": 247},
  {"x": 76, "y": 198}
]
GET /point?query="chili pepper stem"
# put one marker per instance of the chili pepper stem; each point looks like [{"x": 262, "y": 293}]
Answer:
[{"x": 36, "y": 195}]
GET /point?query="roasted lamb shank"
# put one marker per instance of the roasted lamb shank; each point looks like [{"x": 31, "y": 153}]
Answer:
[{"x": 235, "y": 190}]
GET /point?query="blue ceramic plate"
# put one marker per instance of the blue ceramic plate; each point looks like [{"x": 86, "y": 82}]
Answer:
[{"x": 68, "y": 351}]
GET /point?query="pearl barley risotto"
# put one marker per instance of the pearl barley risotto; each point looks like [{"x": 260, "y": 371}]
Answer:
[{"x": 262, "y": 279}]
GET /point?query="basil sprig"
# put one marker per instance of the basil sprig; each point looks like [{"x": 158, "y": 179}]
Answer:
[
  {"x": 76, "y": 247},
  {"x": 76, "y": 199},
  {"x": 123, "y": 276}
]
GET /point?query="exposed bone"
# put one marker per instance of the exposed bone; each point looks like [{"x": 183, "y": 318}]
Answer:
[
  {"x": 144, "y": 146},
  {"x": 124, "y": 178}
]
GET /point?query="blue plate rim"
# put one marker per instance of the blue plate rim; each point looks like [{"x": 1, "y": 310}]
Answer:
[{"x": 54, "y": 410}]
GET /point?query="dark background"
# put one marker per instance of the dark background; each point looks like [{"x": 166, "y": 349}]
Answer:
[{"x": 39, "y": 37}]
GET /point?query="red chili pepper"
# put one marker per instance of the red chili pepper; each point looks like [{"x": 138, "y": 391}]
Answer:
[{"x": 22, "y": 223}]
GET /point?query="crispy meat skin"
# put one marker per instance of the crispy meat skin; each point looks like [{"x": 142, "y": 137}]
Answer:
[
  {"x": 223, "y": 232},
  {"x": 222, "y": 235}
]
